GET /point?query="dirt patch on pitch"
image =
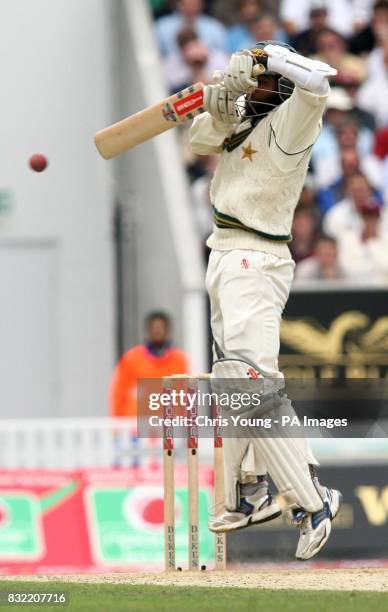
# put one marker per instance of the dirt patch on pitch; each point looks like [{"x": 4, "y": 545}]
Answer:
[{"x": 336, "y": 579}]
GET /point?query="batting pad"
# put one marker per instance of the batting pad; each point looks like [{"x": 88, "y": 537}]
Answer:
[
  {"x": 285, "y": 456},
  {"x": 287, "y": 463},
  {"x": 239, "y": 376}
]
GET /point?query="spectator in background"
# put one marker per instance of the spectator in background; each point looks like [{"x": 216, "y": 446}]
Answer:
[
  {"x": 189, "y": 13},
  {"x": 350, "y": 164},
  {"x": 255, "y": 25},
  {"x": 295, "y": 15},
  {"x": 345, "y": 215},
  {"x": 350, "y": 137},
  {"x": 304, "y": 233},
  {"x": 340, "y": 131},
  {"x": 265, "y": 28},
  {"x": 366, "y": 39},
  {"x": 363, "y": 253},
  {"x": 240, "y": 35},
  {"x": 160, "y": 8},
  {"x": 155, "y": 358},
  {"x": 373, "y": 95},
  {"x": 351, "y": 86},
  {"x": 362, "y": 13},
  {"x": 192, "y": 62},
  {"x": 338, "y": 107},
  {"x": 376, "y": 60},
  {"x": 323, "y": 264},
  {"x": 307, "y": 197},
  {"x": 332, "y": 48},
  {"x": 381, "y": 143},
  {"x": 306, "y": 41},
  {"x": 349, "y": 133},
  {"x": 381, "y": 151}
]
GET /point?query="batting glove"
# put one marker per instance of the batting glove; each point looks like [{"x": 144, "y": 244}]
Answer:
[
  {"x": 238, "y": 75},
  {"x": 221, "y": 104}
]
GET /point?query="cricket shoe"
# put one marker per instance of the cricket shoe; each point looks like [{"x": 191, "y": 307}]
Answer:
[
  {"x": 315, "y": 527},
  {"x": 249, "y": 512}
]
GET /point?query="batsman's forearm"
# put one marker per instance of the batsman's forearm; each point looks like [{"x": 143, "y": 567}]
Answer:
[
  {"x": 207, "y": 134},
  {"x": 304, "y": 72}
]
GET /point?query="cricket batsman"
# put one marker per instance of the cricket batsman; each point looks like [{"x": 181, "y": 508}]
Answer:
[{"x": 264, "y": 129}]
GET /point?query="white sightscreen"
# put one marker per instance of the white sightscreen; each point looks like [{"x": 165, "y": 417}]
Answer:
[{"x": 28, "y": 329}]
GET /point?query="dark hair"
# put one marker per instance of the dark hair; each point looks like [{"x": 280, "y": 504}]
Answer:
[
  {"x": 185, "y": 36},
  {"x": 359, "y": 174},
  {"x": 240, "y": 4},
  {"x": 328, "y": 30},
  {"x": 326, "y": 238},
  {"x": 318, "y": 10},
  {"x": 265, "y": 15},
  {"x": 380, "y": 5},
  {"x": 304, "y": 209},
  {"x": 158, "y": 314},
  {"x": 349, "y": 120}
]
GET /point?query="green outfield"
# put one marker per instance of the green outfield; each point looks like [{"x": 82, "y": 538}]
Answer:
[{"x": 116, "y": 597}]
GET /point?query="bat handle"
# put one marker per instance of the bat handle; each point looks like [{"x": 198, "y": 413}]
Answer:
[
  {"x": 258, "y": 69},
  {"x": 218, "y": 76}
]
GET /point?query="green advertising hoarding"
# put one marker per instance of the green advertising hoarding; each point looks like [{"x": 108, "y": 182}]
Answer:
[
  {"x": 20, "y": 526},
  {"x": 126, "y": 525}
]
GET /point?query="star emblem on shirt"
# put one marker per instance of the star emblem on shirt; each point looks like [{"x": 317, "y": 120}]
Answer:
[{"x": 248, "y": 152}]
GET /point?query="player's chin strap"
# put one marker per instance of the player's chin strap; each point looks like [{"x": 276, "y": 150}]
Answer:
[{"x": 281, "y": 452}]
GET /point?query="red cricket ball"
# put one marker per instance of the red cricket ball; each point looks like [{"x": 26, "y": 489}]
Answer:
[{"x": 38, "y": 162}]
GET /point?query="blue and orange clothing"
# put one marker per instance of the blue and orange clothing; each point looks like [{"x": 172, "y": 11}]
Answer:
[{"x": 142, "y": 361}]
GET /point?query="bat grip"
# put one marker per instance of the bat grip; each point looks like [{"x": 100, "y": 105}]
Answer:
[{"x": 258, "y": 69}]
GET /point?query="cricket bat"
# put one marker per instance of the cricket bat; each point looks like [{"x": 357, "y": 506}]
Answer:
[
  {"x": 140, "y": 127},
  {"x": 150, "y": 122}
]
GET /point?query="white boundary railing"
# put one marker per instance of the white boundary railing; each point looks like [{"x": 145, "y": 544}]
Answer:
[
  {"x": 82, "y": 443},
  {"x": 69, "y": 443},
  {"x": 106, "y": 442}
]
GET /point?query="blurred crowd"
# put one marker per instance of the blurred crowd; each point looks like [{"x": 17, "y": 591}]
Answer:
[{"x": 340, "y": 229}]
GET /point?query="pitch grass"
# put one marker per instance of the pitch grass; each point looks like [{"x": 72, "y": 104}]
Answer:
[{"x": 143, "y": 598}]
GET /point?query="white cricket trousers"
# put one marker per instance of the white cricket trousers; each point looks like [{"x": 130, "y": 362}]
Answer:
[{"x": 248, "y": 291}]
